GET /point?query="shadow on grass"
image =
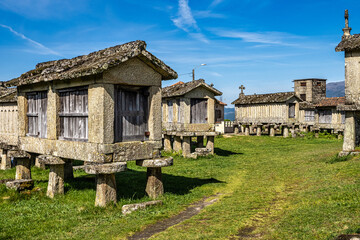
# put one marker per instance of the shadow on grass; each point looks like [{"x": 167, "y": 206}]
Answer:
[
  {"x": 225, "y": 153},
  {"x": 132, "y": 183}
]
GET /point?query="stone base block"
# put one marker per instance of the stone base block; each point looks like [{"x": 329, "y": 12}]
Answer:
[
  {"x": 202, "y": 151},
  {"x": 159, "y": 162},
  {"x": 105, "y": 168},
  {"x": 105, "y": 189},
  {"x": 20, "y": 185},
  {"x": 39, "y": 164},
  {"x": 129, "y": 208},
  {"x": 5, "y": 162}
]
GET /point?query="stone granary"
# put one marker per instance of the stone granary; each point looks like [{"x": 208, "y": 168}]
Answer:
[
  {"x": 189, "y": 111},
  {"x": 8, "y": 125},
  {"x": 219, "y": 111},
  {"x": 307, "y": 108},
  {"x": 103, "y": 108},
  {"x": 350, "y": 44}
]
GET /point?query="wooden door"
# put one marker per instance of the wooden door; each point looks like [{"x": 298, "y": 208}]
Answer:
[
  {"x": 37, "y": 114},
  {"x": 170, "y": 111},
  {"x": 131, "y": 114},
  {"x": 198, "y": 110}
]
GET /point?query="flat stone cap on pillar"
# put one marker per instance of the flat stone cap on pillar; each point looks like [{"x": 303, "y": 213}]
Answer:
[
  {"x": 157, "y": 162},
  {"x": 50, "y": 160},
  {"x": 19, "y": 154},
  {"x": 105, "y": 168},
  {"x": 5, "y": 146}
]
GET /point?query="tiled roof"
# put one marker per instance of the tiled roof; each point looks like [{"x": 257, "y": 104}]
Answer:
[
  {"x": 265, "y": 98},
  {"x": 92, "y": 64},
  {"x": 331, "y": 102},
  {"x": 8, "y": 95},
  {"x": 180, "y": 88}
]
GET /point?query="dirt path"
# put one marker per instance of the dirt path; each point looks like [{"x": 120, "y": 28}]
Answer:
[{"x": 161, "y": 226}]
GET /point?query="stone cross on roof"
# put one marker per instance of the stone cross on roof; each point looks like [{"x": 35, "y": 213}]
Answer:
[
  {"x": 347, "y": 29},
  {"x": 242, "y": 89}
]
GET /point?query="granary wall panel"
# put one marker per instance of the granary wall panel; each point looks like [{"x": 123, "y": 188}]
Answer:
[
  {"x": 133, "y": 72},
  {"x": 154, "y": 122},
  {"x": 352, "y": 76},
  {"x": 266, "y": 113},
  {"x": 8, "y": 126},
  {"x": 200, "y": 92}
]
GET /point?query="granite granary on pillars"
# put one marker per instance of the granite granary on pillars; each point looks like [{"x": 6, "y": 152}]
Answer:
[
  {"x": 189, "y": 111},
  {"x": 8, "y": 125},
  {"x": 305, "y": 109},
  {"x": 350, "y": 44},
  {"x": 271, "y": 111},
  {"x": 103, "y": 108}
]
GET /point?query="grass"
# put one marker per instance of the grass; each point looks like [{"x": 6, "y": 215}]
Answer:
[{"x": 269, "y": 188}]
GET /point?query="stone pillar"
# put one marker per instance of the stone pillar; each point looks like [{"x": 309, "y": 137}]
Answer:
[
  {"x": 316, "y": 133},
  {"x": 258, "y": 130},
  {"x": 200, "y": 141},
  {"x": 167, "y": 143},
  {"x": 236, "y": 130},
  {"x": 56, "y": 174},
  {"x": 186, "y": 146},
  {"x": 154, "y": 185},
  {"x": 251, "y": 129},
  {"x": 293, "y": 132},
  {"x": 349, "y": 132},
  {"x": 177, "y": 143},
  {"x": 105, "y": 181},
  {"x": 340, "y": 136},
  {"x": 56, "y": 180},
  {"x": 23, "y": 164},
  {"x": 210, "y": 143},
  {"x": 5, "y": 160},
  {"x": 247, "y": 130},
  {"x": 105, "y": 189},
  {"x": 285, "y": 131},
  {"x": 272, "y": 131},
  {"x": 23, "y": 170},
  {"x": 68, "y": 169},
  {"x": 242, "y": 128},
  {"x": 39, "y": 164}
]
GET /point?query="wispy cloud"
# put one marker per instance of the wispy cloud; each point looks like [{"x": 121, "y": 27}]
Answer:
[
  {"x": 186, "y": 21},
  {"x": 215, "y": 3},
  {"x": 45, "y": 50},
  {"x": 208, "y": 14},
  {"x": 270, "y": 38}
]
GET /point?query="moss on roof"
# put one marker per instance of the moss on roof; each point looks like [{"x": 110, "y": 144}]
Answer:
[
  {"x": 92, "y": 64},
  {"x": 349, "y": 43},
  {"x": 265, "y": 98},
  {"x": 180, "y": 88}
]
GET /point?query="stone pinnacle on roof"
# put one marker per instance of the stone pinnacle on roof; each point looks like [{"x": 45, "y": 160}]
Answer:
[
  {"x": 347, "y": 29},
  {"x": 242, "y": 88}
]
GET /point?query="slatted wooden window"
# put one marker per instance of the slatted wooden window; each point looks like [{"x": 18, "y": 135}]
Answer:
[
  {"x": 36, "y": 113},
  {"x": 178, "y": 110},
  {"x": 291, "y": 110},
  {"x": 303, "y": 84},
  {"x": 342, "y": 117},
  {"x": 325, "y": 116},
  {"x": 198, "y": 110},
  {"x": 131, "y": 114},
  {"x": 170, "y": 108},
  {"x": 309, "y": 116},
  {"x": 74, "y": 114}
]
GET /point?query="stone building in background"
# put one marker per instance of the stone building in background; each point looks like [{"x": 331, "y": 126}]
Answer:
[
  {"x": 350, "y": 44},
  {"x": 304, "y": 109},
  {"x": 188, "y": 110}
]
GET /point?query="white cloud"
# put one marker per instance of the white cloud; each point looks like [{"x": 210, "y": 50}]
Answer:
[
  {"x": 187, "y": 22},
  {"x": 208, "y": 14},
  {"x": 272, "y": 38},
  {"x": 45, "y": 50},
  {"x": 215, "y": 3}
]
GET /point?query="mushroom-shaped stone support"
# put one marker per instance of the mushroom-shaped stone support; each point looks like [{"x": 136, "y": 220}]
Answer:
[
  {"x": 23, "y": 164},
  {"x": 56, "y": 175},
  {"x": 105, "y": 181},
  {"x": 155, "y": 186}
]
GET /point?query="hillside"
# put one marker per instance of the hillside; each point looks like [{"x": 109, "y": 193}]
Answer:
[{"x": 335, "y": 89}]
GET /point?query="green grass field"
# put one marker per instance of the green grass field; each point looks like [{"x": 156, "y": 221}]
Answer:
[{"x": 269, "y": 188}]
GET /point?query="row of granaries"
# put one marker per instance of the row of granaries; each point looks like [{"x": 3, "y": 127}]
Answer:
[{"x": 108, "y": 107}]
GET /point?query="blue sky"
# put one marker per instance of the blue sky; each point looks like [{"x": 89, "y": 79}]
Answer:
[{"x": 262, "y": 44}]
